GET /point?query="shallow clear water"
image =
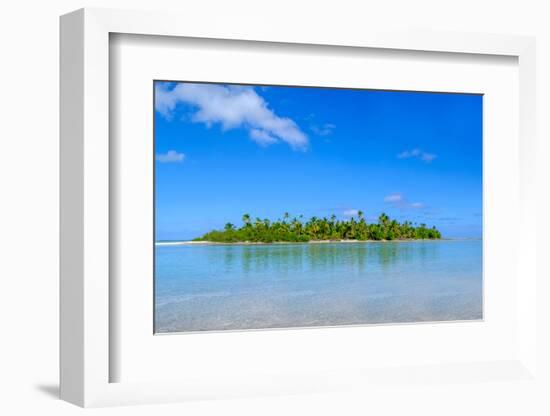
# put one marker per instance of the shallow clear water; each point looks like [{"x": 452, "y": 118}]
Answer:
[{"x": 296, "y": 285}]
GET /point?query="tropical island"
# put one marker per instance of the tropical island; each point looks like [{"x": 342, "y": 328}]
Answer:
[{"x": 319, "y": 229}]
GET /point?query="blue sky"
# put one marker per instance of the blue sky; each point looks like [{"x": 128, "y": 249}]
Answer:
[{"x": 223, "y": 150}]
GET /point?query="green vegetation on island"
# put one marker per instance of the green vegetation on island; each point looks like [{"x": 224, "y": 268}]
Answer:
[{"x": 316, "y": 229}]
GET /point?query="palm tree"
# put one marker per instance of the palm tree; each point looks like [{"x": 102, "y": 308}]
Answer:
[
  {"x": 383, "y": 219},
  {"x": 320, "y": 229}
]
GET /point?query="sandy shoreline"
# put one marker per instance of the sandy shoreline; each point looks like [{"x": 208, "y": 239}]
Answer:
[{"x": 251, "y": 243}]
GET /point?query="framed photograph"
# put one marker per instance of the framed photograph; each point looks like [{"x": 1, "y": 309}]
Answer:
[
  {"x": 269, "y": 213},
  {"x": 355, "y": 162}
]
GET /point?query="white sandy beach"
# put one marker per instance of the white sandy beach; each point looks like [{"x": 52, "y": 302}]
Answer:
[{"x": 212, "y": 243}]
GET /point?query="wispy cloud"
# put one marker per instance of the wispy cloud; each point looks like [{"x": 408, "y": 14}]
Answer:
[
  {"x": 399, "y": 201},
  {"x": 323, "y": 130},
  {"x": 451, "y": 220},
  {"x": 428, "y": 157},
  {"x": 262, "y": 137},
  {"x": 417, "y": 154},
  {"x": 232, "y": 107},
  {"x": 171, "y": 156},
  {"x": 393, "y": 198}
]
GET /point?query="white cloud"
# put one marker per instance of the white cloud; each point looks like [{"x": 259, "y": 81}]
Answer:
[
  {"x": 232, "y": 107},
  {"x": 428, "y": 157},
  {"x": 323, "y": 130},
  {"x": 171, "y": 156},
  {"x": 262, "y": 137},
  {"x": 399, "y": 201},
  {"x": 408, "y": 154},
  {"x": 418, "y": 154},
  {"x": 351, "y": 212},
  {"x": 396, "y": 197}
]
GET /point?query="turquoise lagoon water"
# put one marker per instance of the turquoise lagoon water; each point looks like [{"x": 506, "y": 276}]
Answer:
[{"x": 220, "y": 287}]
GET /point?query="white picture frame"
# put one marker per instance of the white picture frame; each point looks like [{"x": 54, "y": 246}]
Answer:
[{"x": 86, "y": 265}]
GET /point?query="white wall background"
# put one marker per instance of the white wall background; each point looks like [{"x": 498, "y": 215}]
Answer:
[{"x": 29, "y": 206}]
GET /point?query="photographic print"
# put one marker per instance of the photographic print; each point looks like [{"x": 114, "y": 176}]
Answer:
[{"x": 293, "y": 207}]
